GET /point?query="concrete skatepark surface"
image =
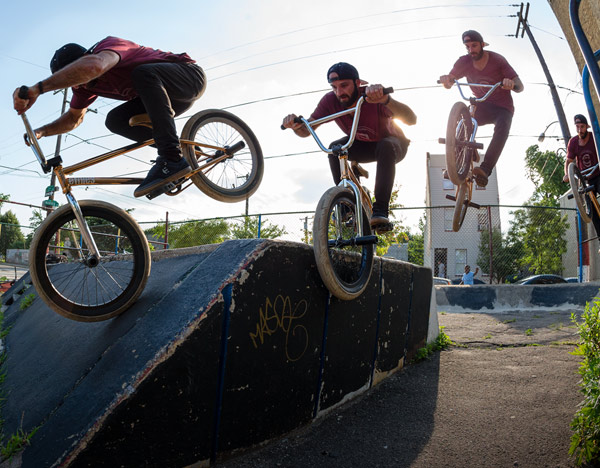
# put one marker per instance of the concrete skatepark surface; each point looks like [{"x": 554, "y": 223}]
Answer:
[
  {"x": 229, "y": 345},
  {"x": 503, "y": 396}
]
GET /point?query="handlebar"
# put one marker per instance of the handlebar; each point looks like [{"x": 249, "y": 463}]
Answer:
[
  {"x": 29, "y": 137},
  {"x": 356, "y": 110},
  {"x": 300, "y": 119},
  {"x": 480, "y": 85}
]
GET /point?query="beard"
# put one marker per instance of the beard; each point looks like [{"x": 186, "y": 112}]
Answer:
[
  {"x": 350, "y": 100},
  {"x": 583, "y": 135},
  {"x": 477, "y": 56}
]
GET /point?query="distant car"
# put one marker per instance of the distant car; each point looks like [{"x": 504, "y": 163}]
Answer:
[
  {"x": 475, "y": 281},
  {"x": 572, "y": 279},
  {"x": 441, "y": 281},
  {"x": 542, "y": 279}
]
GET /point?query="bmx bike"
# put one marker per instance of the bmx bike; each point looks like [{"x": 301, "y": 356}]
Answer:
[
  {"x": 461, "y": 150},
  {"x": 89, "y": 260},
  {"x": 342, "y": 237},
  {"x": 583, "y": 193}
]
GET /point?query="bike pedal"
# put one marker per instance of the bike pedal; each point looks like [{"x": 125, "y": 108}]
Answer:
[
  {"x": 383, "y": 228},
  {"x": 168, "y": 187}
]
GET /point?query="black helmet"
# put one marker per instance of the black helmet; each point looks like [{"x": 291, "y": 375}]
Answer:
[{"x": 65, "y": 55}]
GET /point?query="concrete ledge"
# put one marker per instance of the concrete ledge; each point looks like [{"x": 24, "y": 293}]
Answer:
[
  {"x": 500, "y": 298},
  {"x": 229, "y": 346}
]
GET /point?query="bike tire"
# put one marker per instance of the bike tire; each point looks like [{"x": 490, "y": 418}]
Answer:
[
  {"x": 578, "y": 185},
  {"x": 459, "y": 129},
  {"x": 236, "y": 178},
  {"x": 345, "y": 271},
  {"x": 72, "y": 288},
  {"x": 460, "y": 208}
]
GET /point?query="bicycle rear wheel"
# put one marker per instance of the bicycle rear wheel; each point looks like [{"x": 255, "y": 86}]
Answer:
[
  {"x": 459, "y": 130},
  {"x": 578, "y": 186},
  {"x": 460, "y": 209},
  {"x": 76, "y": 288},
  {"x": 235, "y": 178},
  {"x": 344, "y": 268}
]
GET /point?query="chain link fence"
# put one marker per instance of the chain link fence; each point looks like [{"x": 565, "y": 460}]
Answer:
[{"x": 504, "y": 243}]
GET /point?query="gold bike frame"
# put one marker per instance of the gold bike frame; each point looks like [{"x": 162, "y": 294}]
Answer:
[{"x": 67, "y": 182}]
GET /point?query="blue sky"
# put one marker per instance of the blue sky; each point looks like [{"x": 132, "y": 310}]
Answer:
[{"x": 257, "y": 50}]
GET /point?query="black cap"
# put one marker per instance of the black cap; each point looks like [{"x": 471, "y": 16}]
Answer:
[
  {"x": 580, "y": 119},
  {"x": 65, "y": 55},
  {"x": 342, "y": 71},
  {"x": 473, "y": 36}
]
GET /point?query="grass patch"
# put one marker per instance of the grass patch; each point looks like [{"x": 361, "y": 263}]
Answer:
[
  {"x": 488, "y": 336},
  {"x": 512, "y": 320},
  {"x": 529, "y": 332},
  {"x": 26, "y": 301},
  {"x": 442, "y": 341}
]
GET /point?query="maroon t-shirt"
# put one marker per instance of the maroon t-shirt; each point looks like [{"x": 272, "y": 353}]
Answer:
[
  {"x": 495, "y": 70},
  {"x": 375, "y": 123},
  {"x": 116, "y": 83},
  {"x": 585, "y": 156}
]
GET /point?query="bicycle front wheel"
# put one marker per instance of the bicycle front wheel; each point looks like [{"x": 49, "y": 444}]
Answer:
[
  {"x": 67, "y": 278},
  {"x": 458, "y": 156},
  {"x": 460, "y": 209},
  {"x": 236, "y": 177},
  {"x": 578, "y": 186},
  {"x": 345, "y": 267}
]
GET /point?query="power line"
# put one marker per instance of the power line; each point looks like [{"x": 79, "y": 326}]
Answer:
[{"x": 362, "y": 18}]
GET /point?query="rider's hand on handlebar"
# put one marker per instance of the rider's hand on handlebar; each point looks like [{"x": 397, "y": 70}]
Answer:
[
  {"x": 447, "y": 81},
  {"x": 288, "y": 122},
  {"x": 507, "y": 83},
  {"x": 375, "y": 94},
  {"x": 22, "y": 105},
  {"x": 566, "y": 178}
]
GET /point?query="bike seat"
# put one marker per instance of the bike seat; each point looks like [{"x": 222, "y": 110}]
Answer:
[
  {"x": 359, "y": 170},
  {"x": 140, "y": 119}
]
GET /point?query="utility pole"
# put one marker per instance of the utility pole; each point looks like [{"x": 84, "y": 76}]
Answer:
[{"x": 557, "y": 104}]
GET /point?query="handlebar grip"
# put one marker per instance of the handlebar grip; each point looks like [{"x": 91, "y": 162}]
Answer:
[
  {"x": 389, "y": 90},
  {"x": 24, "y": 92},
  {"x": 439, "y": 82},
  {"x": 296, "y": 120}
]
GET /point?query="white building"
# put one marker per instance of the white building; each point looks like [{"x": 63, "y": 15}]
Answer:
[{"x": 441, "y": 243}]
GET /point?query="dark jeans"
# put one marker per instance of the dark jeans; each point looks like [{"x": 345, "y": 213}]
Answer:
[
  {"x": 387, "y": 152},
  {"x": 487, "y": 113},
  {"x": 165, "y": 90},
  {"x": 594, "y": 215}
]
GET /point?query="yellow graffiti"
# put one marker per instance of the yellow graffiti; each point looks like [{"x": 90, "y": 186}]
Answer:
[{"x": 279, "y": 315}]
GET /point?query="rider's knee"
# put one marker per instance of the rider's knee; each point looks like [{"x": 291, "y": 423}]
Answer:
[{"x": 391, "y": 148}]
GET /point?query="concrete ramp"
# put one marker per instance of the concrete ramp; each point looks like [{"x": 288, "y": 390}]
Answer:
[{"x": 229, "y": 345}]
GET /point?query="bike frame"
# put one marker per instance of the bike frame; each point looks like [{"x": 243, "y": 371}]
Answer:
[
  {"x": 348, "y": 179},
  {"x": 592, "y": 196},
  {"x": 55, "y": 165}
]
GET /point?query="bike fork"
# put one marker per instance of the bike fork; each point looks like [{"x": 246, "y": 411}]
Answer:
[{"x": 94, "y": 257}]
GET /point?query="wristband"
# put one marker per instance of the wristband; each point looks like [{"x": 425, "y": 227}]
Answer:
[
  {"x": 388, "y": 101},
  {"x": 40, "y": 87}
]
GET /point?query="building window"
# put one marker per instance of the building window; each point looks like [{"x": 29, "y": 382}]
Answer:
[
  {"x": 460, "y": 261},
  {"x": 448, "y": 217},
  {"x": 446, "y": 183},
  {"x": 482, "y": 220}
]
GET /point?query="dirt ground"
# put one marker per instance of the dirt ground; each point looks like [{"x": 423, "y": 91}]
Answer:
[{"x": 503, "y": 396}]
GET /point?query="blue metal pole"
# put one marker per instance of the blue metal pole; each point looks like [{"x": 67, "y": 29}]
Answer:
[
  {"x": 588, "y": 55},
  {"x": 580, "y": 244},
  {"x": 259, "y": 223}
]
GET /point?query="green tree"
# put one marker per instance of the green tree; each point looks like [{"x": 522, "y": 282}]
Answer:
[
  {"x": 192, "y": 233},
  {"x": 248, "y": 229},
  {"x": 416, "y": 244},
  {"x": 545, "y": 170},
  {"x": 11, "y": 236},
  {"x": 504, "y": 255},
  {"x": 37, "y": 217}
]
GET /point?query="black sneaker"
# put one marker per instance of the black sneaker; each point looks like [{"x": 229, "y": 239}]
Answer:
[
  {"x": 380, "y": 222},
  {"x": 163, "y": 172}
]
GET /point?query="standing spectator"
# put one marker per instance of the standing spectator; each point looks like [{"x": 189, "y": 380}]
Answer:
[
  {"x": 467, "y": 277},
  {"x": 441, "y": 270}
]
